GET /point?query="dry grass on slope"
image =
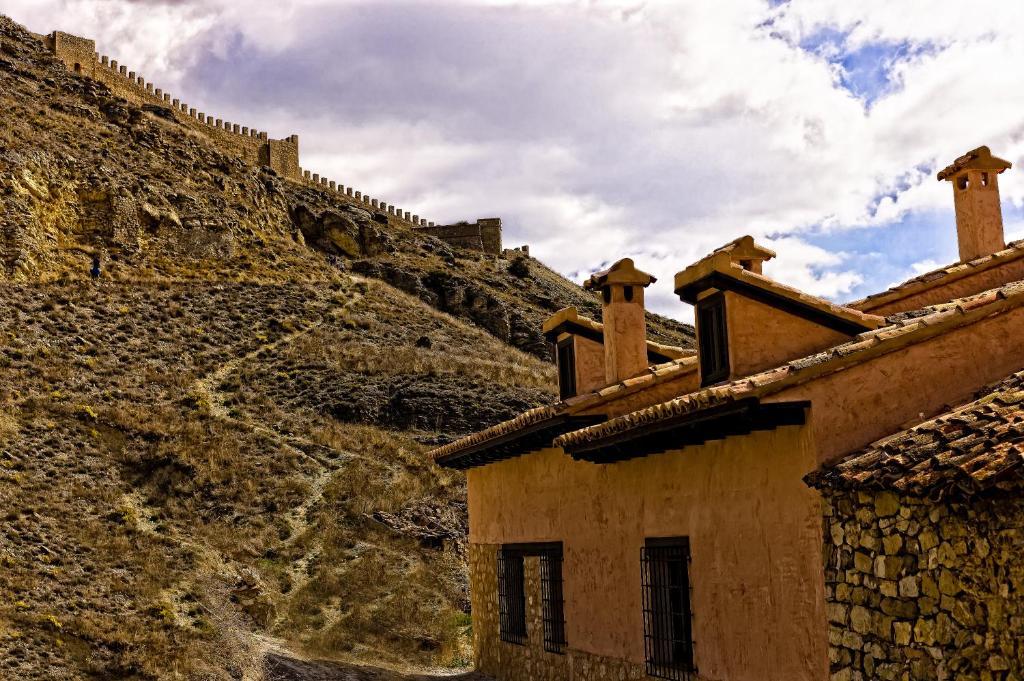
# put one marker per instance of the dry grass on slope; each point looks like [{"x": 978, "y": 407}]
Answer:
[{"x": 179, "y": 471}]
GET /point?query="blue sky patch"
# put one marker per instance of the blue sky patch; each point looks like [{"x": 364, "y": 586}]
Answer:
[{"x": 866, "y": 71}]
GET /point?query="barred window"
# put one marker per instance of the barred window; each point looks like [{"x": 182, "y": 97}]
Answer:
[
  {"x": 668, "y": 632},
  {"x": 511, "y": 597},
  {"x": 552, "y": 600}
]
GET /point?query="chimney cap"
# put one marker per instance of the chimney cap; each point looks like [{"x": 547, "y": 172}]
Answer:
[
  {"x": 976, "y": 159},
  {"x": 745, "y": 248},
  {"x": 623, "y": 273}
]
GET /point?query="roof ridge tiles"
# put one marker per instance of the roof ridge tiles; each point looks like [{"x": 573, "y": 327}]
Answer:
[
  {"x": 948, "y": 273},
  {"x": 793, "y": 372},
  {"x": 653, "y": 375}
]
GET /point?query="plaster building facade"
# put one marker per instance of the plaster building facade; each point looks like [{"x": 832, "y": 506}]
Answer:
[{"x": 732, "y": 514}]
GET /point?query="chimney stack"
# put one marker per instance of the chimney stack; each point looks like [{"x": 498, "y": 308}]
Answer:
[
  {"x": 625, "y": 327},
  {"x": 979, "y": 217}
]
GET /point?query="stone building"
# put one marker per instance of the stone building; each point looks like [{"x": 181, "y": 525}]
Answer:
[
  {"x": 924, "y": 530},
  {"x": 655, "y": 522}
]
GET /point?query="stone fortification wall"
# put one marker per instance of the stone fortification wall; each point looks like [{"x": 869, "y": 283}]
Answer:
[
  {"x": 483, "y": 235},
  {"x": 251, "y": 145},
  {"x": 922, "y": 590}
]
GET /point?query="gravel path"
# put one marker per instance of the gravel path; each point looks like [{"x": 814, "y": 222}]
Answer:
[{"x": 278, "y": 668}]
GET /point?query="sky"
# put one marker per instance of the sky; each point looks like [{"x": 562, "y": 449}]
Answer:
[{"x": 601, "y": 130}]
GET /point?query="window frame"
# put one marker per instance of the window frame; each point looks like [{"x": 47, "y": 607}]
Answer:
[
  {"x": 712, "y": 339},
  {"x": 566, "y": 375},
  {"x": 553, "y": 599},
  {"x": 512, "y": 626},
  {"x": 668, "y": 604},
  {"x": 513, "y": 617}
]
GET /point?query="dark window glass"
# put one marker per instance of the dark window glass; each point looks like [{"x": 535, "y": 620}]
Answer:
[
  {"x": 511, "y": 597},
  {"x": 566, "y": 369},
  {"x": 712, "y": 339},
  {"x": 552, "y": 600},
  {"x": 668, "y": 636}
]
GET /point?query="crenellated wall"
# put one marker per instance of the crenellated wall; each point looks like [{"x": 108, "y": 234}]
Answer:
[
  {"x": 255, "y": 146},
  {"x": 483, "y": 235}
]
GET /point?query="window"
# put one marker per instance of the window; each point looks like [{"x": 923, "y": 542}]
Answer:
[
  {"x": 961, "y": 182},
  {"x": 712, "y": 340},
  {"x": 566, "y": 369},
  {"x": 512, "y": 594},
  {"x": 668, "y": 635},
  {"x": 552, "y": 600},
  {"x": 511, "y": 597}
]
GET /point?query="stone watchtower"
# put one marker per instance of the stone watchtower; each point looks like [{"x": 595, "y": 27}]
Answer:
[
  {"x": 979, "y": 216},
  {"x": 78, "y": 54},
  {"x": 625, "y": 339}
]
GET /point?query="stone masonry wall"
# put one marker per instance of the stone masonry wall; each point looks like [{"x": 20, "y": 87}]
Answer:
[
  {"x": 78, "y": 54},
  {"x": 251, "y": 145},
  {"x": 511, "y": 662},
  {"x": 918, "y": 590},
  {"x": 483, "y": 235}
]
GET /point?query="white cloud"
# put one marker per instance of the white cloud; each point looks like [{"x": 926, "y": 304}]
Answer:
[{"x": 599, "y": 130}]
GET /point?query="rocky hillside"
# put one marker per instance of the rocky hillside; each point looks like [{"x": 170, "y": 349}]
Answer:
[
  {"x": 83, "y": 172},
  {"x": 211, "y": 459}
]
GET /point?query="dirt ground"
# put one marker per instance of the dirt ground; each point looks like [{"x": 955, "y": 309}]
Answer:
[{"x": 278, "y": 668}]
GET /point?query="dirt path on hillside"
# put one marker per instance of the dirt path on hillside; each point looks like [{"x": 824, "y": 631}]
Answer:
[{"x": 278, "y": 668}]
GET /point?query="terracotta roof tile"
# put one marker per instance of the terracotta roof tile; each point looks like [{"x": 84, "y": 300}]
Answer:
[
  {"x": 527, "y": 418},
  {"x": 864, "y": 346},
  {"x": 967, "y": 450},
  {"x": 658, "y": 373},
  {"x": 947, "y": 274}
]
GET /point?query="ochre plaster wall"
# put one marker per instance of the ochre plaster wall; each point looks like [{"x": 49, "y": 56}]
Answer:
[
  {"x": 762, "y": 337},
  {"x": 855, "y": 407},
  {"x": 755, "y": 532},
  {"x": 975, "y": 282},
  {"x": 589, "y": 364},
  {"x": 979, "y": 217},
  {"x": 625, "y": 333}
]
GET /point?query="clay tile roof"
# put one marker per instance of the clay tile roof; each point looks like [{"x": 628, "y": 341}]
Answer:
[
  {"x": 975, "y": 447},
  {"x": 944, "y": 275},
  {"x": 980, "y": 158},
  {"x": 653, "y": 375},
  {"x": 621, "y": 272},
  {"x": 527, "y": 418},
  {"x": 865, "y": 346}
]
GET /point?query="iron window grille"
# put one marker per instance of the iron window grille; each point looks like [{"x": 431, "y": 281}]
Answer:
[
  {"x": 712, "y": 339},
  {"x": 511, "y": 597},
  {"x": 552, "y": 599},
  {"x": 566, "y": 369},
  {"x": 668, "y": 619}
]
